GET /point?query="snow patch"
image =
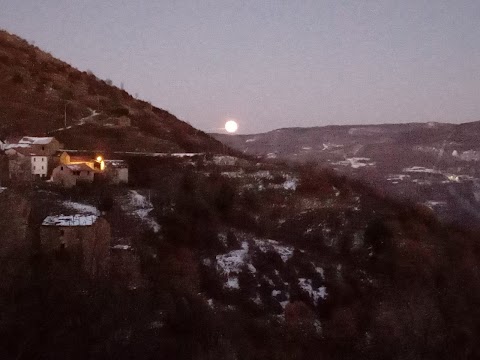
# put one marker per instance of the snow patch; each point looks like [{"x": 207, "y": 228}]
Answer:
[
  {"x": 355, "y": 162},
  {"x": 397, "y": 177},
  {"x": 69, "y": 220},
  {"x": 421, "y": 169},
  {"x": 433, "y": 204},
  {"x": 315, "y": 294},
  {"x": 290, "y": 184},
  {"x": 141, "y": 207},
  {"x": 232, "y": 261},
  {"x": 230, "y": 264},
  {"x": 232, "y": 283},
  {"x": 320, "y": 271},
  {"x": 285, "y": 252},
  {"x": 81, "y": 208}
]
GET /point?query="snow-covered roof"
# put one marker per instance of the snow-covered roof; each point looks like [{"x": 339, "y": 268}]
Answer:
[
  {"x": 69, "y": 220},
  {"x": 122, "y": 247},
  {"x": 116, "y": 163},
  {"x": 15, "y": 146},
  {"x": 36, "y": 140},
  {"x": 79, "y": 167}
]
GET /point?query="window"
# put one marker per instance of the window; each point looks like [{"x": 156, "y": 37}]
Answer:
[
  {"x": 34, "y": 159},
  {"x": 61, "y": 168},
  {"x": 34, "y": 168},
  {"x": 43, "y": 159},
  {"x": 42, "y": 167},
  {"x": 43, "y": 147}
]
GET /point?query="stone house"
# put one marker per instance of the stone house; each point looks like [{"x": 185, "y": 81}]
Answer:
[
  {"x": 24, "y": 164},
  {"x": 30, "y": 157},
  {"x": 116, "y": 171},
  {"x": 95, "y": 163},
  {"x": 73, "y": 174},
  {"x": 81, "y": 238}
]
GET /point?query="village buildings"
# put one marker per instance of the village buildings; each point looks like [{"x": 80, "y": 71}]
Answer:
[
  {"x": 31, "y": 157},
  {"x": 73, "y": 170}
]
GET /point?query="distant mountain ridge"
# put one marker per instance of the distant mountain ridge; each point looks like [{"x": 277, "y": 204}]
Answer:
[
  {"x": 339, "y": 141},
  {"x": 432, "y": 163},
  {"x": 38, "y": 90}
]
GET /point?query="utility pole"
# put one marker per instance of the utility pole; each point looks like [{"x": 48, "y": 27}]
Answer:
[{"x": 65, "y": 118}]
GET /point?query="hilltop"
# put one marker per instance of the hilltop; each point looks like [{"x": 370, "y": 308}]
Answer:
[{"x": 38, "y": 89}]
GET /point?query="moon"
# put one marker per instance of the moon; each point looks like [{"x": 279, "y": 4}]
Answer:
[{"x": 231, "y": 126}]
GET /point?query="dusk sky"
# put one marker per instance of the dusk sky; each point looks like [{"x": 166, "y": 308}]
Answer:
[{"x": 272, "y": 64}]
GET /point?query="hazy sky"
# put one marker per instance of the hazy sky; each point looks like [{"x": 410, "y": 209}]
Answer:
[{"x": 274, "y": 63}]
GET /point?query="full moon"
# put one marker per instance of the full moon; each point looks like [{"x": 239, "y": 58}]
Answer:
[{"x": 231, "y": 126}]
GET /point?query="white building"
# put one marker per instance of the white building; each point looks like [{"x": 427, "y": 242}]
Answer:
[{"x": 39, "y": 165}]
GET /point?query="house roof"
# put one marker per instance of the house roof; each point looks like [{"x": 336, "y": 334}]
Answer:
[
  {"x": 69, "y": 220},
  {"x": 36, "y": 140},
  {"x": 79, "y": 167},
  {"x": 25, "y": 151},
  {"x": 79, "y": 159},
  {"x": 15, "y": 146},
  {"x": 116, "y": 163}
]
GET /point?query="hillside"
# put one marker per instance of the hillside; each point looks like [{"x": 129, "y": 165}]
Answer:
[
  {"x": 253, "y": 262},
  {"x": 37, "y": 89}
]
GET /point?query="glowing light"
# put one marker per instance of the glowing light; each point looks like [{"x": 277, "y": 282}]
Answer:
[
  {"x": 99, "y": 158},
  {"x": 231, "y": 126}
]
